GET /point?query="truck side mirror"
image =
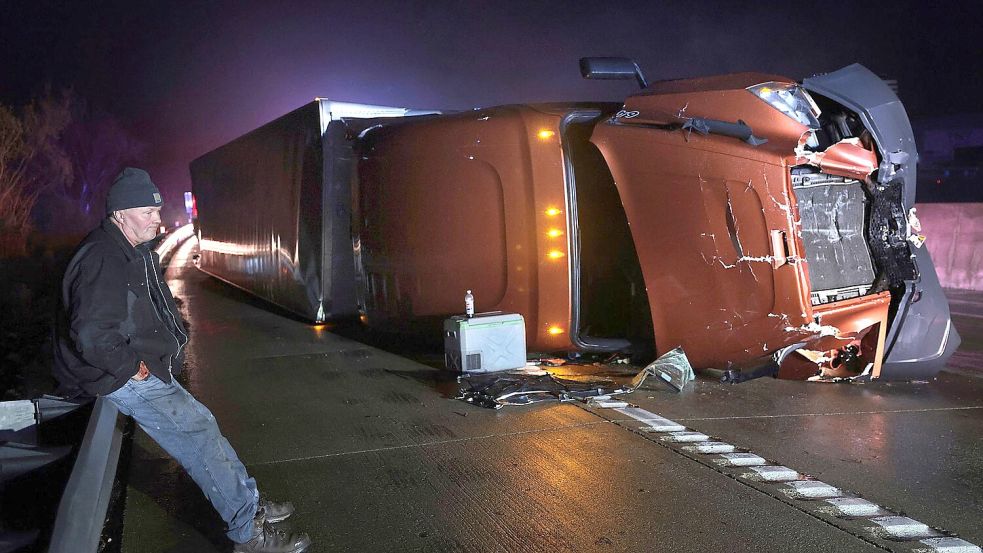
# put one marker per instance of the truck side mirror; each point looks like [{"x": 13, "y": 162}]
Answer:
[{"x": 612, "y": 68}]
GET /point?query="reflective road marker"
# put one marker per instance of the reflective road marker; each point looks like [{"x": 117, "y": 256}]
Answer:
[{"x": 848, "y": 510}]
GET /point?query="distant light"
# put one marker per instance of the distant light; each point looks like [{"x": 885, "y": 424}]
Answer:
[
  {"x": 555, "y": 254},
  {"x": 545, "y": 134},
  {"x": 555, "y": 330},
  {"x": 553, "y": 212},
  {"x": 163, "y": 229},
  {"x": 554, "y": 233}
]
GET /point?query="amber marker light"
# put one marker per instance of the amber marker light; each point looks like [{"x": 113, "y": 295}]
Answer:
[
  {"x": 555, "y": 254},
  {"x": 555, "y": 330},
  {"x": 545, "y": 134},
  {"x": 553, "y": 212},
  {"x": 554, "y": 233}
]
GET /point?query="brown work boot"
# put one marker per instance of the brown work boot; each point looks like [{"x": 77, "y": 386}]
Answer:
[{"x": 269, "y": 539}]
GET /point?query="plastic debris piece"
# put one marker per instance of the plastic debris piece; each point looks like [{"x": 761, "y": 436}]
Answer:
[{"x": 672, "y": 367}]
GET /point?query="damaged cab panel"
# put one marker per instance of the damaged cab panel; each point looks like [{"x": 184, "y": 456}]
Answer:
[{"x": 815, "y": 253}]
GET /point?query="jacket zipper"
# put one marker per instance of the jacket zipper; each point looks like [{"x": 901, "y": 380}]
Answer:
[{"x": 177, "y": 341}]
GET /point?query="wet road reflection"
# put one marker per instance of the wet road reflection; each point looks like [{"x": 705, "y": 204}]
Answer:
[{"x": 376, "y": 457}]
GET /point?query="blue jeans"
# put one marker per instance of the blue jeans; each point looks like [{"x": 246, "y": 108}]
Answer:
[{"x": 187, "y": 430}]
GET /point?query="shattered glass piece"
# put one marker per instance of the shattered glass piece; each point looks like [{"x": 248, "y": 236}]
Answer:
[
  {"x": 673, "y": 368},
  {"x": 741, "y": 460}
]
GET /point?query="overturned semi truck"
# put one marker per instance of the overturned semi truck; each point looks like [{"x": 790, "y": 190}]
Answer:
[{"x": 758, "y": 222}]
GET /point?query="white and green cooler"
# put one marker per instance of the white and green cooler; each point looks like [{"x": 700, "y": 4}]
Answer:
[{"x": 487, "y": 342}]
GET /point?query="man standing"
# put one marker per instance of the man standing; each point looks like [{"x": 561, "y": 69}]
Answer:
[{"x": 120, "y": 336}]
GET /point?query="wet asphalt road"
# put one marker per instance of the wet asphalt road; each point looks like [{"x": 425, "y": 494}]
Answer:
[{"x": 376, "y": 457}]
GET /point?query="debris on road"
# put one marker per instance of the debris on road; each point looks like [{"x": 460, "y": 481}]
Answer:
[
  {"x": 534, "y": 384},
  {"x": 672, "y": 367},
  {"x": 529, "y": 385}
]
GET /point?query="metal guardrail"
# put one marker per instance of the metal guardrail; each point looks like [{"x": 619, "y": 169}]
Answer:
[{"x": 82, "y": 510}]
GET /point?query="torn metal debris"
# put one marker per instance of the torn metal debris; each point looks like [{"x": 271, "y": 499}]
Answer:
[
  {"x": 527, "y": 386},
  {"x": 532, "y": 385}
]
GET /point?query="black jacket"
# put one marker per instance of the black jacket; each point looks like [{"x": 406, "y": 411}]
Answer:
[{"x": 114, "y": 311}]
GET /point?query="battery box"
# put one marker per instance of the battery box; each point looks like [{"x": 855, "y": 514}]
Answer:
[{"x": 487, "y": 342}]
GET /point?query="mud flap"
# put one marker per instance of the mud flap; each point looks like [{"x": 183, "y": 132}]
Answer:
[{"x": 921, "y": 337}]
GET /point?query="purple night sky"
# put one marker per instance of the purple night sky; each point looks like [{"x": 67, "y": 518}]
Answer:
[{"x": 186, "y": 77}]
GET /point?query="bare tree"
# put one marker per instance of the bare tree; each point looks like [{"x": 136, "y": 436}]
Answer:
[
  {"x": 31, "y": 160},
  {"x": 98, "y": 147},
  {"x": 16, "y": 200}
]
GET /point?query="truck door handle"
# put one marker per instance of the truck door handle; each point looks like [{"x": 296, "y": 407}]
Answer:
[{"x": 779, "y": 248}]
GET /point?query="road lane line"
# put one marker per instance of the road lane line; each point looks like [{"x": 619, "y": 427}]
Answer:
[
  {"x": 834, "y": 414},
  {"x": 427, "y": 444}
]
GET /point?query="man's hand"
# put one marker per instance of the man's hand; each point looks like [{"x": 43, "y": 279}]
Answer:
[{"x": 143, "y": 373}]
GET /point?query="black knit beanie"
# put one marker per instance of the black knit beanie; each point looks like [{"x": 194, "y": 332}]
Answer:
[{"x": 132, "y": 188}]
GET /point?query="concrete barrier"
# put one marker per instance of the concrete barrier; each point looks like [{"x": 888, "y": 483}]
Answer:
[{"x": 955, "y": 239}]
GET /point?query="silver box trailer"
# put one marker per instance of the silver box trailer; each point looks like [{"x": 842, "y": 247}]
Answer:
[{"x": 275, "y": 209}]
